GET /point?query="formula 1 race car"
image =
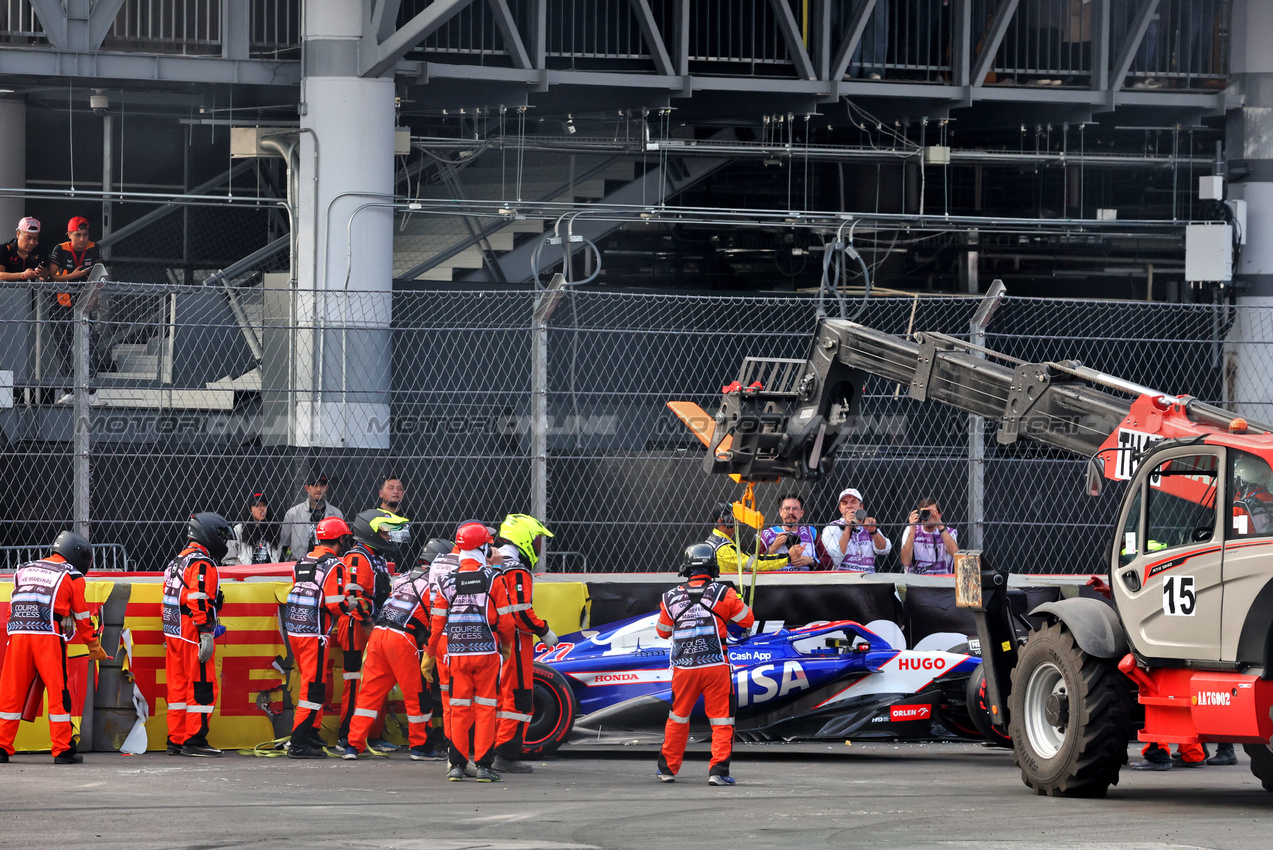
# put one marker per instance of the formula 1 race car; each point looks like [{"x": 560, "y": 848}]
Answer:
[{"x": 825, "y": 680}]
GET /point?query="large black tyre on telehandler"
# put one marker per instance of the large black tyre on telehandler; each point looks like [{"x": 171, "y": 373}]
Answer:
[
  {"x": 1261, "y": 763},
  {"x": 1071, "y": 717}
]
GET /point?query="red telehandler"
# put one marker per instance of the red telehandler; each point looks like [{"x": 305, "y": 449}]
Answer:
[{"x": 1188, "y": 632}]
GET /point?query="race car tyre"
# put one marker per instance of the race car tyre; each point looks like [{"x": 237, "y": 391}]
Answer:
[
  {"x": 1261, "y": 763},
  {"x": 1070, "y": 717},
  {"x": 553, "y": 714},
  {"x": 979, "y": 709}
]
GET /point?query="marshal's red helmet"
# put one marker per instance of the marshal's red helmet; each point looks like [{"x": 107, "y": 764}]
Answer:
[
  {"x": 332, "y": 528},
  {"x": 472, "y": 535}
]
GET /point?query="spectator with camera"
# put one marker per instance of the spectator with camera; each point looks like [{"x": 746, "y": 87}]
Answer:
[
  {"x": 854, "y": 541},
  {"x": 798, "y": 542},
  {"x": 928, "y": 544},
  {"x": 257, "y": 538}
]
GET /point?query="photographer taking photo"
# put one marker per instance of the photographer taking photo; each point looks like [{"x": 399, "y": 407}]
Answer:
[
  {"x": 853, "y": 542},
  {"x": 928, "y": 544},
  {"x": 798, "y": 542}
]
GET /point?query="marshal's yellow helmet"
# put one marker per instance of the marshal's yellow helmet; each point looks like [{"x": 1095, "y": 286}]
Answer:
[{"x": 524, "y": 532}]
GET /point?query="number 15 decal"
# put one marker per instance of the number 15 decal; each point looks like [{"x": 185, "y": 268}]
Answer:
[{"x": 1178, "y": 597}]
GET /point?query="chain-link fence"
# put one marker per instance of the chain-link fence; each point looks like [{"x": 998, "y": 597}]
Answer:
[{"x": 255, "y": 387}]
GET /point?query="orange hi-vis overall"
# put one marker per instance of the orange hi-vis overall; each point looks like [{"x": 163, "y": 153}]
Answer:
[
  {"x": 352, "y": 631},
  {"x": 393, "y": 655},
  {"x": 189, "y": 610},
  {"x": 466, "y": 610},
  {"x": 516, "y": 685},
  {"x": 44, "y": 592},
  {"x": 317, "y": 598},
  {"x": 442, "y": 566},
  {"x": 694, "y": 615}
]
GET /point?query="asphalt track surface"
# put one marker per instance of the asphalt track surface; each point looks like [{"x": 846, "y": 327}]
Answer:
[{"x": 802, "y": 795}]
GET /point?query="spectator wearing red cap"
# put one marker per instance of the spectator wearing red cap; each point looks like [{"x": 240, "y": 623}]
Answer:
[
  {"x": 21, "y": 259},
  {"x": 72, "y": 260}
]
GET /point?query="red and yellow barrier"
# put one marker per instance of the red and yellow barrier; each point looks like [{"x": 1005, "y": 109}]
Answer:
[
  {"x": 35, "y": 736},
  {"x": 246, "y": 656}
]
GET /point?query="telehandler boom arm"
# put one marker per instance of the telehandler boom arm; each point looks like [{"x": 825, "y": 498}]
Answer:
[{"x": 786, "y": 418}]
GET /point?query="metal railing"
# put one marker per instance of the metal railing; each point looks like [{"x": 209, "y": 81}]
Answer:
[
  {"x": 166, "y": 26},
  {"x": 736, "y": 31},
  {"x": 108, "y": 557},
  {"x": 18, "y": 22},
  {"x": 1046, "y": 42},
  {"x": 471, "y": 32},
  {"x": 1185, "y": 44},
  {"x": 275, "y": 29},
  {"x": 586, "y": 29}
]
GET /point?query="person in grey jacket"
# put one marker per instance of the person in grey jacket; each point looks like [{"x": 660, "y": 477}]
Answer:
[{"x": 301, "y": 520}]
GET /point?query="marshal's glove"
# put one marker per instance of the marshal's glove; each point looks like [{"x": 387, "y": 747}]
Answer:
[
  {"x": 506, "y": 651},
  {"x": 95, "y": 651},
  {"x": 361, "y": 607},
  {"x": 205, "y": 647},
  {"x": 549, "y": 638},
  {"x": 427, "y": 665}
]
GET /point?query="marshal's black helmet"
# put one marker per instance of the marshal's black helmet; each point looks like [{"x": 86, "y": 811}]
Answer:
[
  {"x": 75, "y": 548},
  {"x": 436, "y": 546},
  {"x": 699, "y": 560},
  {"x": 211, "y": 531},
  {"x": 368, "y": 525},
  {"x": 722, "y": 514}
]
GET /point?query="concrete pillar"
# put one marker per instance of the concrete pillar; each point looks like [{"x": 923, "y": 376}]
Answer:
[
  {"x": 345, "y": 238},
  {"x": 1249, "y": 166},
  {"x": 13, "y": 163}
]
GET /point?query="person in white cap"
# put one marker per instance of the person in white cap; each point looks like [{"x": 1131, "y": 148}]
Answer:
[
  {"x": 853, "y": 542},
  {"x": 20, "y": 259}
]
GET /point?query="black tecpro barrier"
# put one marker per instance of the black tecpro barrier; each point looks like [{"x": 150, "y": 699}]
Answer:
[{"x": 921, "y": 609}]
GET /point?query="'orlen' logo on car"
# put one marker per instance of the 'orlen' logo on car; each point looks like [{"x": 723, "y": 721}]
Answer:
[
  {"x": 1214, "y": 698},
  {"x": 926, "y": 663},
  {"x": 900, "y": 713}
]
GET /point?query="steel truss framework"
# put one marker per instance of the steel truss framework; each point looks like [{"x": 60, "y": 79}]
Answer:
[{"x": 516, "y": 67}]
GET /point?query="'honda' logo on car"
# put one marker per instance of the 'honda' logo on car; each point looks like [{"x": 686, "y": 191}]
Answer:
[
  {"x": 615, "y": 678},
  {"x": 921, "y": 663},
  {"x": 910, "y": 712}
]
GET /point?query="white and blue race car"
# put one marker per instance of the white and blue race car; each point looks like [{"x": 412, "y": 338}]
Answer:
[{"x": 835, "y": 679}]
